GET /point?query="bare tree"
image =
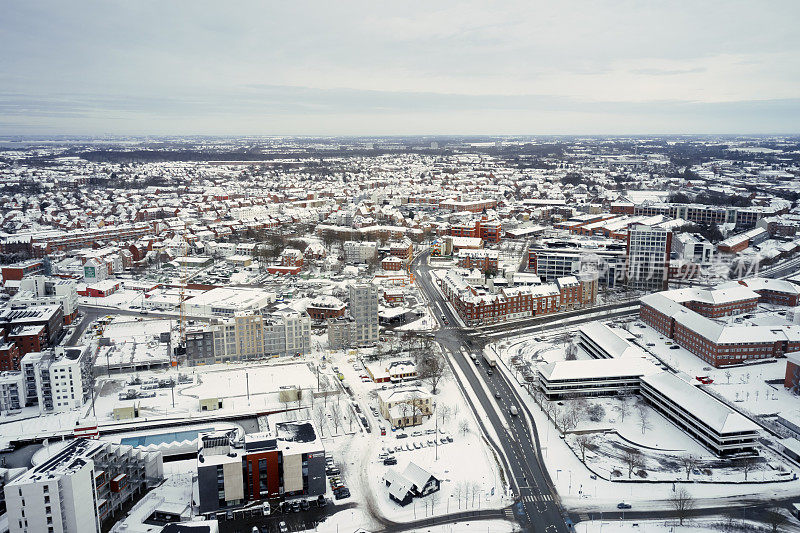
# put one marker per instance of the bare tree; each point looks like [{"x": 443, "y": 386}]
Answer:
[
  {"x": 432, "y": 369},
  {"x": 319, "y": 417},
  {"x": 583, "y": 442},
  {"x": 682, "y": 503},
  {"x": 434, "y": 498},
  {"x": 747, "y": 464},
  {"x": 688, "y": 462},
  {"x": 475, "y": 488},
  {"x": 463, "y": 427},
  {"x": 623, "y": 408},
  {"x": 443, "y": 413},
  {"x": 336, "y": 413},
  {"x": 775, "y": 520},
  {"x": 644, "y": 418},
  {"x": 632, "y": 458}
]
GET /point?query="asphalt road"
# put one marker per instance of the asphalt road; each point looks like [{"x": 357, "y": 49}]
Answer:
[{"x": 536, "y": 508}]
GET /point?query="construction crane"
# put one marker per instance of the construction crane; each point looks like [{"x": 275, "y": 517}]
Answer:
[{"x": 180, "y": 348}]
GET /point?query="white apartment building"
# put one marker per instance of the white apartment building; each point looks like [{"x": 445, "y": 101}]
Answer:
[
  {"x": 363, "y": 306},
  {"x": 12, "y": 391},
  {"x": 359, "y": 252},
  {"x": 42, "y": 290},
  {"x": 57, "y": 380},
  {"x": 283, "y": 331},
  {"x": 79, "y": 487}
]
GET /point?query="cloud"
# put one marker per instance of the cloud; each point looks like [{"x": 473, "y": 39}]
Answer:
[{"x": 148, "y": 64}]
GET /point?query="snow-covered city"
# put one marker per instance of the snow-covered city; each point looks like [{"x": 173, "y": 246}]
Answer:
[{"x": 457, "y": 268}]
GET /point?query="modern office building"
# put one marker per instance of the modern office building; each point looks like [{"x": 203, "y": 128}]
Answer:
[
  {"x": 718, "y": 427},
  {"x": 648, "y": 258},
  {"x": 592, "y": 377},
  {"x": 233, "y": 469}
]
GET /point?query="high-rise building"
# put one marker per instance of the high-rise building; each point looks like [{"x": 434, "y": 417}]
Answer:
[
  {"x": 648, "y": 258},
  {"x": 363, "y": 306}
]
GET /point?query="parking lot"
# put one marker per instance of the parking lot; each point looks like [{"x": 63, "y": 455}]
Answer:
[{"x": 294, "y": 521}]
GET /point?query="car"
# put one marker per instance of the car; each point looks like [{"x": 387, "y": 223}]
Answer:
[
  {"x": 321, "y": 501},
  {"x": 282, "y": 527},
  {"x": 383, "y": 430},
  {"x": 342, "y": 493},
  {"x": 295, "y": 506},
  {"x": 449, "y": 438},
  {"x": 401, "y": 436},
  {"x": 489, "y": 372},
  {"x": 383, "y": 455},
  {"x": 390, "y": 461},
  {"x": 304, "y": 505},
  {"x": 431, "y": 442},
  {"x": 333, "y": 471},
  {"x": 513, "y": 410},
  {"x": 416, "y": 433},
  {"x": 674, "y": 347},
  {"x": 417, "y": 445},
  {"x": 497, "y": 395},
  {"x": 623, "y": 505},
  {"x": 255, "y": 530},
  {"x": 443, "y": 440},
  {"x": 651, "y": 344}
]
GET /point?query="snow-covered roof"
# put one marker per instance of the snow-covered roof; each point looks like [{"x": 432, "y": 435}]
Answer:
[
  {"x": 596, "y": 368},
  {"x": 709, "y": 411}
]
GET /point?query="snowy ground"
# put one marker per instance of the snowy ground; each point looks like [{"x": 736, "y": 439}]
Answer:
[
  {"x": 580, "y": 492},
  {"x": 466, "y": 466},
  {"x": 697, "y": 525}
]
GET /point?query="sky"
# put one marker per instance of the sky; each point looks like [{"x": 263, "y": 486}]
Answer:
[{"x": 399, "y": 68}]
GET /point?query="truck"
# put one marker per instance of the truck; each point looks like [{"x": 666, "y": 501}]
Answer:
[{"x": 490, "y": 358}]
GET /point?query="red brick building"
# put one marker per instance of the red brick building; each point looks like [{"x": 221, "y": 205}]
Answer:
[
  {"x": 689, "y": 319},
  {"x": 9, "y": 356},
  {"x": 477, "y": 306},
  {"x": 17, "y": 271},
  {"x": 325, "y": 307}
]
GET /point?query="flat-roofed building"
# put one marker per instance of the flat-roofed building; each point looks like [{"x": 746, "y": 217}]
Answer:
[
  {"x": 715, "y": 425},
  {"x": 592, "y": 377}
]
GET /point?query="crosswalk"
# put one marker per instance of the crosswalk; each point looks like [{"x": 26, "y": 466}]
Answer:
[
  {"x": 509, "y": 513},
  {"x": 584, "y": 517},
  {"x": 538, "y": 498}
]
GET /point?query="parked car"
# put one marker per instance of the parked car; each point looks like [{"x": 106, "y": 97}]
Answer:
[
  {"x": 674, "y": 347},
  {"x": 623, "y": 505},
  {"x": 513, "y": 410},
  {"x": 390, "y": 461},
  {"x": 497, "y": 395},
  {"x": 304, "y": 505},
  {"x": 401, "y": 436},
  {"x": 321, "y": 501},
  {"x": 282, "y": 527},
  {"x": 295, "y": 506}
]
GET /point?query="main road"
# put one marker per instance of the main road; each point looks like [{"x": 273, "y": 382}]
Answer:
[{"x": 537, "y": 505}]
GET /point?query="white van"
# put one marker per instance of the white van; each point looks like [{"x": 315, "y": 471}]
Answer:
[{"x": 513, "y": 410}]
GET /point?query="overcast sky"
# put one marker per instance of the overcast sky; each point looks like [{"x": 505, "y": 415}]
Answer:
[{"x": 433, "y": 67}]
